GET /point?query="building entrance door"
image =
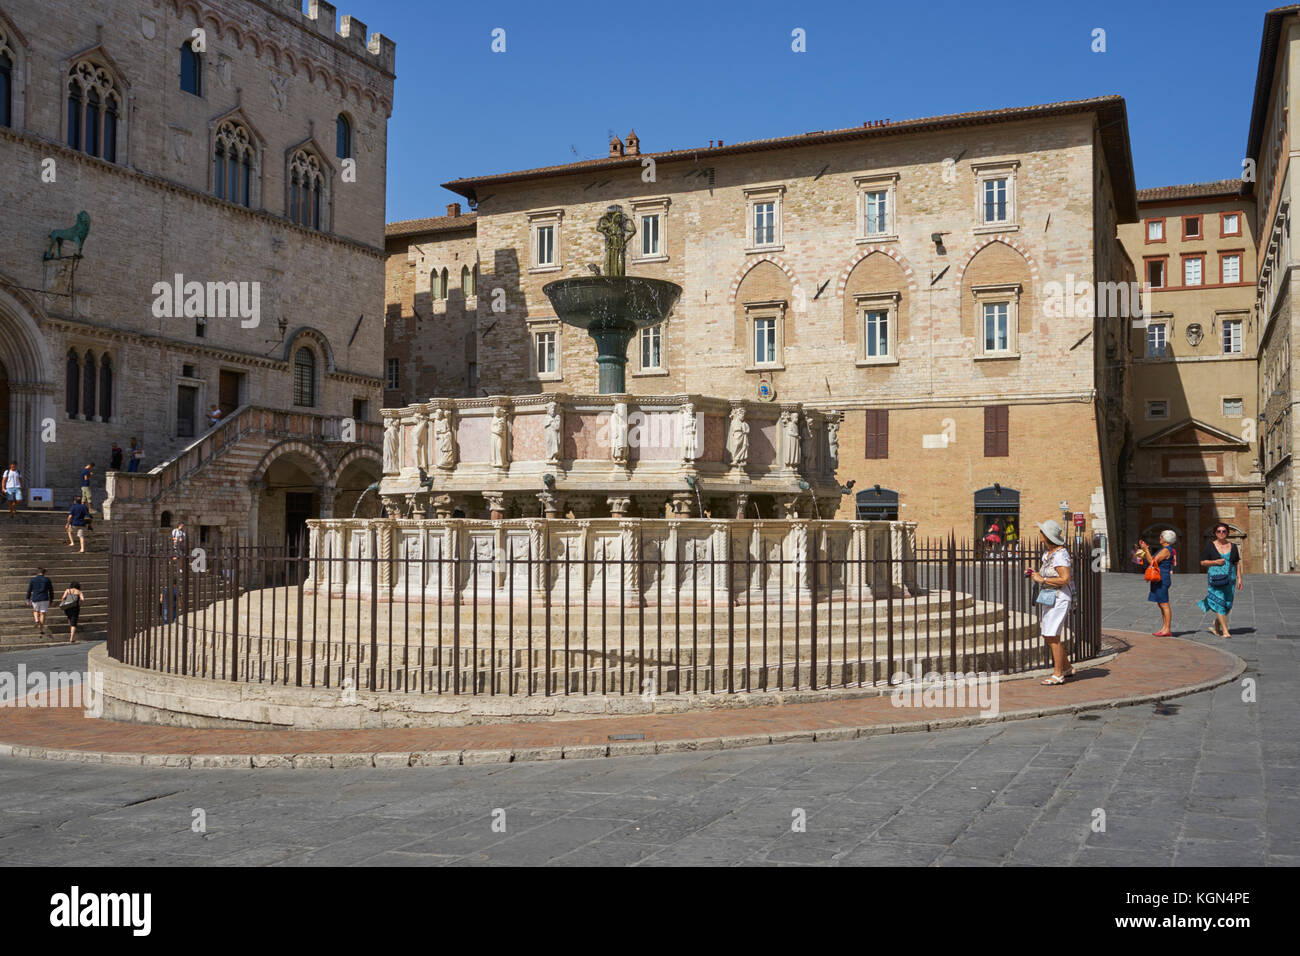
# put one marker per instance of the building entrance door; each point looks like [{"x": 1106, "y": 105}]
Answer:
[
  {"x": 298, "y": 507},
  {"x": 230, "y": 388},
  {"x": 187, "y": 401}
]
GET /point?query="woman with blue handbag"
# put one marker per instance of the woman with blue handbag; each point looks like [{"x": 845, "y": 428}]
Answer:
[
  {"x": 1225, "y": 568},
  {"x": 1054, "y": 596}
]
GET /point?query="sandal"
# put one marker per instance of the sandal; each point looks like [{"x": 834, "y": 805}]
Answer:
[
  {"x": 1162, "y": 633},
  {"x": 1054, "y": 680}
]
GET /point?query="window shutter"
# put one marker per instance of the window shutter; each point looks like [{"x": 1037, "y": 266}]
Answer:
[
  {"x": 996, "y": 433},
  {"x": 877, "y": 438}
]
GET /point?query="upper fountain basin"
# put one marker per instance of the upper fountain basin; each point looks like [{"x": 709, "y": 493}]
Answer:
[{"x": 611, "y": 302}]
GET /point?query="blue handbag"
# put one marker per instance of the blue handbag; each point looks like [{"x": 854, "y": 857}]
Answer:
[{"x": 1221, "y": 574}]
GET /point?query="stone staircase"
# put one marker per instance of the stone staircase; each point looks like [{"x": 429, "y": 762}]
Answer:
[{"x": 37, "y": 539}]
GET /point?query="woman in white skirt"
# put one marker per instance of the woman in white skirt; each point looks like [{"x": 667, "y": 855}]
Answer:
[{"x": 1053, "y": 577}]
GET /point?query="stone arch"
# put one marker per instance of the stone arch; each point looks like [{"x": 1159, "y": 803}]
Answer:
[
  {"x": 309, "y": 335},
  {"x": 877, "y": 270},
  {"x": 355, "y": 455},
  {"x": 29, "y": 384},
  {"x": 348, "y": 495},
  {"x": 291, "y": 446},
  {"x": 290, "y": 484},
  {"x": 994, "y": 261},
  {"x": 750, "y": 264},
  {"x": 765, "y": 280}
]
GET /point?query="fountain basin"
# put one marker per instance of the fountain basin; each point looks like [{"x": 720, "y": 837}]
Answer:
[{"x": 611, "y": 309}]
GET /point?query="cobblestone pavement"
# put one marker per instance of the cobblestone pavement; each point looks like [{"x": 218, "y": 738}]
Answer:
[{"x": 1205, "y": 779}]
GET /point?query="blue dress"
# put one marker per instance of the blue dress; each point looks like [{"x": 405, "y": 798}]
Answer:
[
  {"x": 1160, "y": 589},
  {"x": 1218, "y": 598}
]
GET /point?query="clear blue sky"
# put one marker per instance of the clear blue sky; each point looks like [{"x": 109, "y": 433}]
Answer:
[{"x": 685, "y": 73}]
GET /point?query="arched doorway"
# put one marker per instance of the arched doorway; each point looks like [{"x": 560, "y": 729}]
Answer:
[
  {"x": 356, "y": 474},
  {"x": 288, "y": 487},
  {"x": 26, "y": 385}
]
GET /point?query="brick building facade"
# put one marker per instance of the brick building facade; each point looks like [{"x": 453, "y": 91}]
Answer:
[
  {"x": 237, "y": 144},
  {"x": 900, "y": 275},
  {"x": 1193, "y": 454}
]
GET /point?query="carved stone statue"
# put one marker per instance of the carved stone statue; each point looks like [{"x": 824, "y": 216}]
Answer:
[
  {"x": 789, "y": 427},
  {"x": 617, "y": 228},
  {"x": 392, "y": 432},
  {"x": 421, "y": 442},
  {"x": 807, "y": 450},
  {"x": 443, "y": 439},
  {"x": 500, "y": 439},
  {"x": 554, "y": 427},
  {"x": 738, "y": 439},
  {"x": 833, "y": 439},
  {"x": 690, "y": 436},
  {"x": 618, "y": 433}
]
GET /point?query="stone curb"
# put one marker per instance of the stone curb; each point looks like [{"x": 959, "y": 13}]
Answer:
[{"x": 389, "y": 760}]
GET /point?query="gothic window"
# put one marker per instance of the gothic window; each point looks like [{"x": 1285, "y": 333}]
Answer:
[
  {"x": 94, "y": 110},
  {"x": 88, "y": 387},
  {"x": 105, "y": 387},
  {"x": 232, "y": 164},
  {"x": 343, "y": 137},
  {"x": 6, "y": 81},
  {"x": 73, "y": 380},
  {"x": 306, "y": 190}
]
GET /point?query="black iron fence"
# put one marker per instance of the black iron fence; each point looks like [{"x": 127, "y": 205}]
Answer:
[{"x": 621, "y": 623}]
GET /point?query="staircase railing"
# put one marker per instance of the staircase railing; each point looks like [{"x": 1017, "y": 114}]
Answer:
[{"x": 244, "y": 421}]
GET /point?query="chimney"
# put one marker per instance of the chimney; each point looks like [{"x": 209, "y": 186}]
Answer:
[
  {"x": 633, "y": 144},
  {"x": 453, "y": 209},
  {"x": 615, "y": 146}
]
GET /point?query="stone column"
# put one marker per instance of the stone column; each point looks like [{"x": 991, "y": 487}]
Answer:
[
  {"x": 682, "y": 504},
  {"x": 550, "y": 504},
  {"x": 496, "y": 502},
  {"x": 29, "y": 406},
  {"x": 741, "y": 505},
  {"x": 537, "y": 550},
  {"x": 442, "y": 506},
  {"x": 722, "y": 583},
  {"x": 797, "y": 546},
  {"x": 618, "y": 506},
  {"x": 672, "y": 556},
  {"x": 630, "y": 544}
]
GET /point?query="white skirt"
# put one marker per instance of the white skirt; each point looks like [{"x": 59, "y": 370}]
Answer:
[{"x": 1054, "y": 616}]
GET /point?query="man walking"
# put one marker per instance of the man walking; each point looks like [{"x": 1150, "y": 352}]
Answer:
[
  {"x": 78, "y": 517},
  {"x": 178, "y": 541},
  {"x": 137, "y": 453},
  {"x": 115, "y": 458},
  {"x": 40, "y": 592},
  {"x": 87, "y": 474},
  {"x": 12, "y": 483}
]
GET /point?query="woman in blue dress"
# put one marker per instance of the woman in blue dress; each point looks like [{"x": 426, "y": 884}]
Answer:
[
  {"x": 1224, "y": 567},
  {"x": 1164, "y": 560}
]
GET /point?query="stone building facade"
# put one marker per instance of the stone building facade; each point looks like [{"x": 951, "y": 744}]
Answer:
[
  {"x": 230, "y": 156},
  {"x": 906, "y": 276},
  {"x": 1270, "y": 159},
  {"x": 1192, "y": 459},
  {"x": 430, "y": 340}
]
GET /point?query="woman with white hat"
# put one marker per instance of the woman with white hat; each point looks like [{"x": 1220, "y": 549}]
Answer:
[
  {"x": 1055, "y": 594},
  {"x": 1163, "y": 562}
]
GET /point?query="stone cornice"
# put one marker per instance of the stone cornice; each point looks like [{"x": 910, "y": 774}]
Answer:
[
  {"x": 160, "y": 182},
  {"x": 949, "y": 401},
  {"x": 112, "y": 333}
]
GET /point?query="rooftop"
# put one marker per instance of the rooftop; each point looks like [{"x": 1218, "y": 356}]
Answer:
[{"x": 1220, "y": 187}]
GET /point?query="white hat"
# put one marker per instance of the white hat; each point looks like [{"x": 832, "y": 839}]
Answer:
[{"x": 1055, "y": 533}]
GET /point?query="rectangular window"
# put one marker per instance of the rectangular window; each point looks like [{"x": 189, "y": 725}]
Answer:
[
  {"x": 1191, "y": 227},
  {"x": 997, "y": 329},
  {"x": 995, "y": 200},
  {"x": 393, "y": 381},
  {"x": 765, "y": 341},
  {"x": 764, "y": 223},
  {"x": 545, "y": 246},
  {"x": 996, "y": 435},
  {"x": 1231, "y": 268},
  {"x": 1231, "y": 336},
  {"x": 650, "y": 235},
  {"x": 1232, "y": 408},
  {"x": 1156, "y": 273},
  {"x": 651, "y": 344},
  {"x": 360, "y": 410},
  {"x": 877, "y": 329},
  {"x": 877, "y": 438},
  {"x": 1157, "y": 408},
  {"x": 1192, "y": 266},
  {"x": 1230, "y": 224},
  {"x": 545, "y": 342},
  {"x": 1157, "y": 343},
  {"x": 1155, "y": 230},
  {"x": 877, "y": 205}
]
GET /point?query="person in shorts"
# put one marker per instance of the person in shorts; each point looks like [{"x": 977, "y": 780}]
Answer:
[
  {"x": 12, "y": 483},
  {"x": 40, "y": 592},
  {"x": 78, "y": 518},
  {"x": 87, "y": 475}
]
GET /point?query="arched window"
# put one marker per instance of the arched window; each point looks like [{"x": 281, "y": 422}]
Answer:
[
  {"x": 6, "y": 83},
  {"x": 72, "y": 375},
  {"x": 165, "y": 520},
  {"x": 191, "y": 69},
  {"x": 464, "y": 281},
  {"x": 105, "y": 387},
  {"x": 304, "y": 378},
  {"x": 435, "y": 284},
  {"x": 88, "y": 386},
  {"x": 306, "y": 189},
  {"x": 473, "y": 281},
  {"x": 232, "y": 163},
  {"x": 94, "y": 110},
  {"x": 445, "y": 283},
  {"x": 343, "y": 137}
]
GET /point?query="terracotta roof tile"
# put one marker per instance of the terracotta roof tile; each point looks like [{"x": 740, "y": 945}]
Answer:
[
  {"x": 414, "y": 227},
  {"x": 1220, "y": 187}
]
